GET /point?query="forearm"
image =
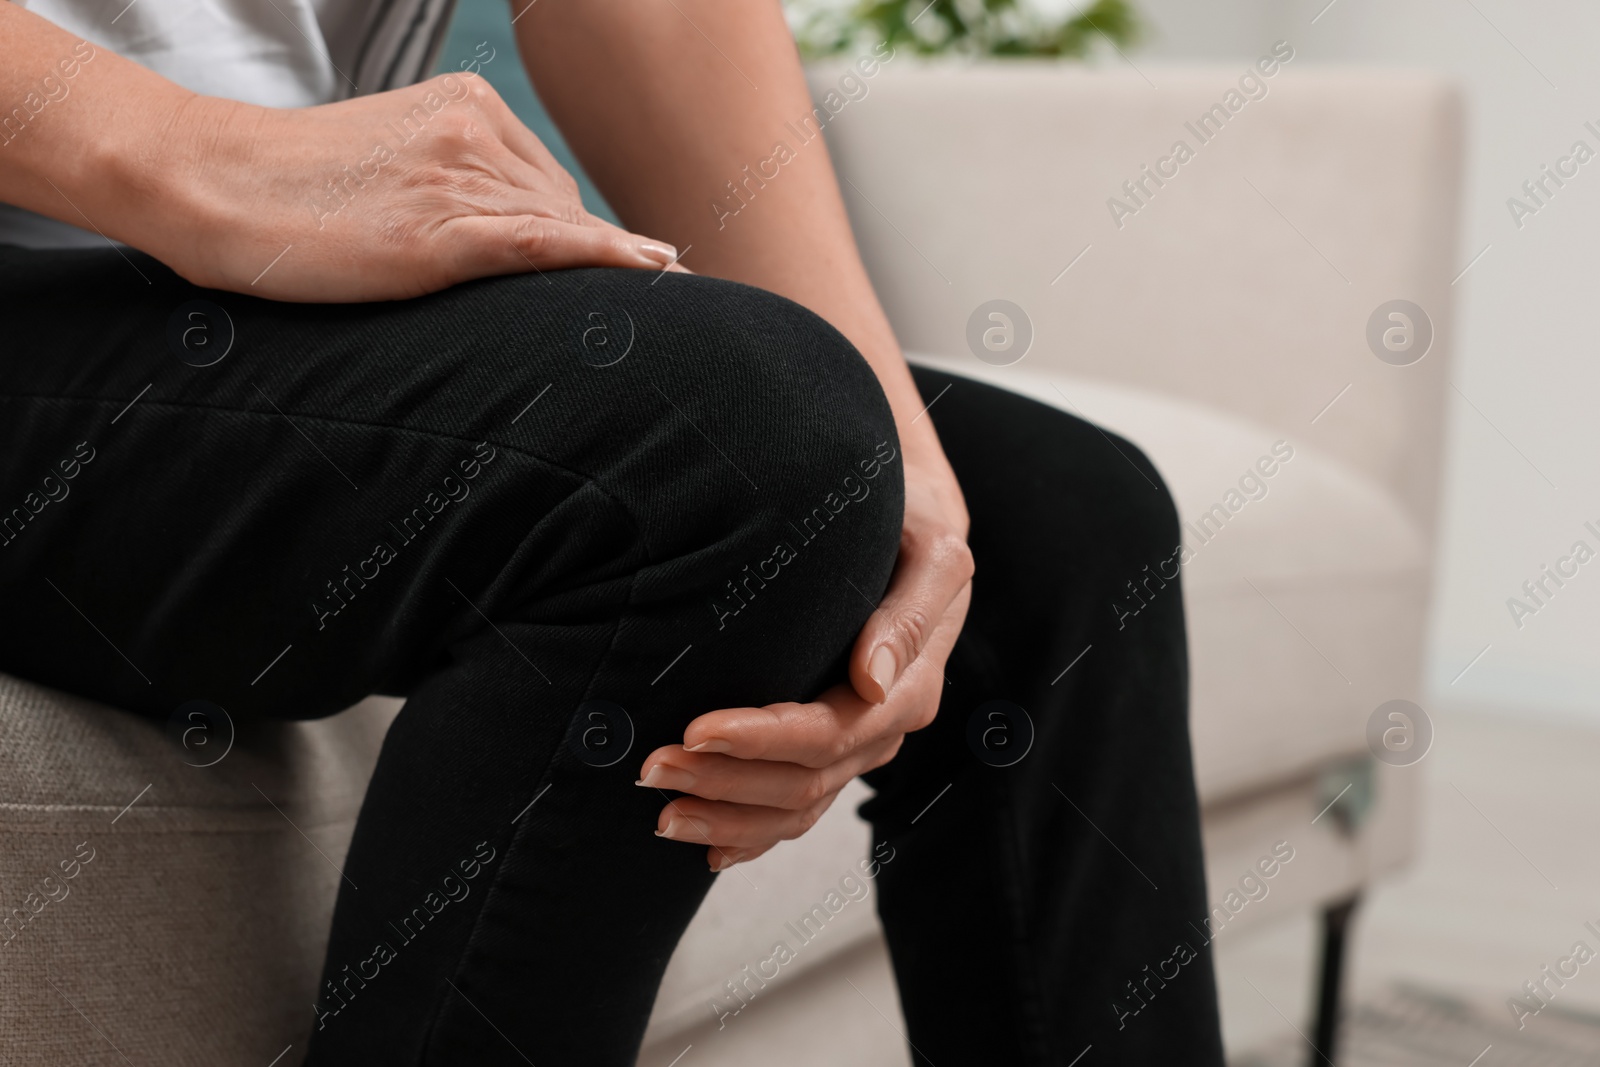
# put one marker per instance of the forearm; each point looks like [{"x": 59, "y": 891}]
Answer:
[
  {"x": 80, "y": 127},
  {"x": 384, "y": 196},
  {"x": 663, "y": 120}
]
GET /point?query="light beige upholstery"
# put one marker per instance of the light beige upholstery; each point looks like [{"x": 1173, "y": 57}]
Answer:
[
  {"x": 1246, "y": 282},
  {"x": 194, "y": 933},
  {"x": 1222, "y": 318}
]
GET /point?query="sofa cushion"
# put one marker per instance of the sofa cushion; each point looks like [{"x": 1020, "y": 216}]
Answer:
[
  {"x": 1305, "y": 589},
  {"x": 195, "y": 868},
  {"x": 124, "y": 865}
]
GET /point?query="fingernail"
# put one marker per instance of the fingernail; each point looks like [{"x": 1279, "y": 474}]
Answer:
[
  {"x": 713, "y": 744},
  {"x": 726, "y": 859},
  {"x": 683, "y": 828},
  {"x": 881, "y": 667},
  {"x": 663, "y": 776},
  {"x": 658, "y": 254}
]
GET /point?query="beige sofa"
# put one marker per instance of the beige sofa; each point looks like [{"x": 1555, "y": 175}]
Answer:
[{"x": 1226, "y": 315}]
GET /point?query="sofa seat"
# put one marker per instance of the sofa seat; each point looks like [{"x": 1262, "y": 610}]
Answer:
[
  {"x": 158, "y": 910},
  {"x": 1280, "y": 591},
  {"x": 178, "y": 872}
]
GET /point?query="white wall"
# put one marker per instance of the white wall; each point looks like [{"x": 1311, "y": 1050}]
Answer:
[{"x": 1525, "y": 332}]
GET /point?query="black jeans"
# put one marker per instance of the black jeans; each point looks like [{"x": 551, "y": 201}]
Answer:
[{"x": 527, "y": 503}]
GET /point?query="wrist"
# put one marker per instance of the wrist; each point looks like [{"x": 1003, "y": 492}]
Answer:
[
  {"x": 932, "y": 491},
  {"x": 163, "y": 169}
]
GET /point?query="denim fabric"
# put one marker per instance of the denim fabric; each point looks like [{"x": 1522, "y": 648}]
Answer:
[{"x": 528, "y": 502}]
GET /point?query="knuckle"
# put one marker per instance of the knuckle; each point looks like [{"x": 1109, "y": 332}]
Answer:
[
  {"x": 967, "y": 565},
  {"x": 482, "y": 92},
  {"x": 534, "y": 238},
  {"x": 460, "y": 133},
  {"x": 620, "y": 248},
  {"x": 951, "y": 549},
  {"x": 836, "y": 748},
  {"x": 914, "y": 626},
  {"x": 806, "y": 819},
  {"x": 828, "y": 743},
  {"x": 764, "y": 730},
  {"x": 808, "y": 792},
  {"x": 567, "y": 185}
]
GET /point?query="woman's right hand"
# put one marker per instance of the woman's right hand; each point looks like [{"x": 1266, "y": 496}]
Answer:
[{"x": 380, "y": 197}]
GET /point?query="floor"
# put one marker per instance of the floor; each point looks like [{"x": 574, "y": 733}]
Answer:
[
  {"x": 786, "y": 1030},
  {"x": 1508, "y": 874},
  {"x": 1409, "y": 1027}
]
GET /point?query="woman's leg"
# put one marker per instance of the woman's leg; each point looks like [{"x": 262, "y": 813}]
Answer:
[
  {"x": 1056, "y": 904},
  {"x": 510, "y": 501}
]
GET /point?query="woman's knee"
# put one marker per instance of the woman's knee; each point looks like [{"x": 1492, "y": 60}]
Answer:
[
  {"x": 729, "y": 426},
  {"x": 1058, "y": 503},
  {"x": 1147, "y": 518},
  {"x": 694, "y": 394},
  {"x": 761, "y": 415}
]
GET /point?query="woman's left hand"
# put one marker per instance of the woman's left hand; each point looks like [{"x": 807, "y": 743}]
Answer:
[{"x": 757, "y": 776}]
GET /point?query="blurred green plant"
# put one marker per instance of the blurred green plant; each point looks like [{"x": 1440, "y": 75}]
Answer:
[{"x": 961, "y": 27}]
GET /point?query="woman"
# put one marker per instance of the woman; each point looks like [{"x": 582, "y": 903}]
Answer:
[{"x": 362, "y": 400}]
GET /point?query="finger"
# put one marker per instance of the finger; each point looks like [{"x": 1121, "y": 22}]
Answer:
[
  {"x": 676, "y": 266},
  {"x": 727, "y": 826},
  {"x": 931, "y": 573},
  {"x": 816, "y": 734},
  {"x": 720, "y": 859},
  {"x": 759, "y": 782},
  {"x": 827, "y": 730},
  {"x": 487, "y": 245}
]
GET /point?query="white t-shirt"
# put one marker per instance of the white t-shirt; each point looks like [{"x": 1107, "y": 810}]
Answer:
[{"x": 277, "y": 53}]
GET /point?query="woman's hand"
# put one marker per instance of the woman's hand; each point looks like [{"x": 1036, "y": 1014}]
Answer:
[
  {"x": 385, "y": 196},
  {"x": 657, "y": 157},
  {"x": 757, "y": 776}
]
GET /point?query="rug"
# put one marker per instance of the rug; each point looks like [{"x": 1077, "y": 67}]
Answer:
[{"x": 1416, "y": 1027}]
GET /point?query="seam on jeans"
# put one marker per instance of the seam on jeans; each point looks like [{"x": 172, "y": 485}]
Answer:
[
  {"x": 1038, "y": 1036},
  {"x": 590, "y": 479},
  {"x": 444, "y": 998}
]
